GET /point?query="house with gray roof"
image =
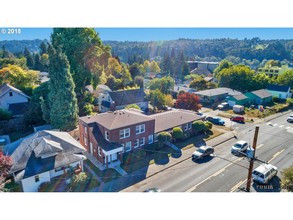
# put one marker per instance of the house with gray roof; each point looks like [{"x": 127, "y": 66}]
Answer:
[
  {"x": 107, "y": 136},
  {"x": 42, "y": 156},
  {"x": 237, "y": 100},
  {"x": 12, "y": 99},
  {"x": 118, "y": 100},
  {"x": 259, "y": 97}
]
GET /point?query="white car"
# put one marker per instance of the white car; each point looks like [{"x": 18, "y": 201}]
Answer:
[
  {"x": 264, "y": 173},
  {"x": 239, "y": 147},
  {"x": 290, "y": 118}
]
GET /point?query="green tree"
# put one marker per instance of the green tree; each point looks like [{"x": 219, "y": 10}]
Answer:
[
  {"x": 164, "y": 137},
  {"x": 208, "y": 125},
  {"x": 199, "y": 84},
  {"x": 63, "y": 102},
  {"x": 44, "y": 62},
  {"x": 154, "y": 67},
  {"x": 29, "y": 58},
  {"x": 177, "y": 133},
  {"x": 43, "y": 48},
  {"x": 157, "y": 99},
  {"x": 165, "y": 85},
  {"x": 289, "y": 101},
  {"x": 135, "y": 106},
  {"x": 135, "y": 70},
  {"x": 85, "y": 52},
  {"x": 5, "y": 115},
  {"x": 287, "y": 179},
  {"x": 224, "y": 64},
  {"x": 37, "y": 62},
  {"x": 286, "y": 78},
  {"x": 147, "y": 66},
  {"x": 139, "y": 81},
  {"x": 185, "y": 69}
]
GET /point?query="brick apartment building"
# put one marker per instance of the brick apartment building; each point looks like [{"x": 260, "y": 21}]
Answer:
[{"x": 108, "y": 135}]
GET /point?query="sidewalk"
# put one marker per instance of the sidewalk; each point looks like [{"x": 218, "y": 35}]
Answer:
[{"x": 153, "y": 169}]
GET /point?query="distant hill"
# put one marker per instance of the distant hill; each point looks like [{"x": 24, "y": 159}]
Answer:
[
  {"x": 209, "y": 49},
  {"x": 15, "y": 46}
]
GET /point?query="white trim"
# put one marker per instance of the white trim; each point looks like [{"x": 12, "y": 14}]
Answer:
[
  {"x": 152, "y": 139},
  {"x": 85, "y": 140},
  {"x": 137, "y": 143},
  {"x": 99, "y": 151},
  {"x": 124, "y": 133},
  {"x": 116, "y": 150},
  {"x": 139, "y": 129},
  {"x": 128, "y": 143}
]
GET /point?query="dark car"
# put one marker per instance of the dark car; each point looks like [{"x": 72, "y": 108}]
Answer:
[
  {"x": 237, "y": 119},
  {"x": 151, "y": 190},
  {"x": 216, "y": 120},
  {"x": 202, "y": 151}
]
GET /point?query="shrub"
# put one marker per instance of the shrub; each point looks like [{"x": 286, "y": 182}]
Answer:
[
  {"x": 198, "y": 126},
  {"x": 177, "y": 133},
  {"x": 208, "y": 125},
  {"x": 163, "y": 137},
  {"x": 5, "y": 115},
  {"x": 289, "y": 102},
  {"x": 287, "y": 180}
]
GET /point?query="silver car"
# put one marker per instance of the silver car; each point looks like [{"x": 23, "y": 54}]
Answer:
[{"x": 202, "y": 151}]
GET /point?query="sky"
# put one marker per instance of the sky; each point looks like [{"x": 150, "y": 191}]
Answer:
[{"x": 159, "y": 34}]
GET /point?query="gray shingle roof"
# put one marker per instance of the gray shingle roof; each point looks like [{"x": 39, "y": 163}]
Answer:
[
  {"x": 173, "y": 118},
  {"x": 218, "y": 91},
  {"x": 117, "y": 119},
  {"x": 262, "y": 93},
  {"x": 44, "y": 151},
  {"x": 6, "y": 87},
  {"x": 126, "y": 97},
  {"x": 240, "y": 97}
]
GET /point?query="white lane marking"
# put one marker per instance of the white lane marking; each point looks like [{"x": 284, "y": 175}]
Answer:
[
  {"x": 213, "y": 175},
  {"x": 259, "y": 146},
  {"x": 238, "y": 185},
  {"x": 288, "y": 127},
  {"x": 269, "y": 123},
  {"x": 281, "y": 126},
  {"x": 275, "y": 124},
  {"x": 275, "y": 155}
]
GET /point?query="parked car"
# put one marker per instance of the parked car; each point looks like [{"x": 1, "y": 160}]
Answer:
[
  {"x": 290, "y": 118},
  {"x": 237, "y": 119},
  {"x": 264, "y": 173},
  {"x": 216, "y": 120},
  {"x": 151, "y": 190},
  {"x": 240, "y": 147},
  {"x": 202, "y": 151},
  {"x": 223, "y": 105}
]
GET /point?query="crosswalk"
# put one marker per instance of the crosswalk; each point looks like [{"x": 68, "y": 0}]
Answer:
[{"x": 280, "y": 125}]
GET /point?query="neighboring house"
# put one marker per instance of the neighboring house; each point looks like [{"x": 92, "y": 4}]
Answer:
[
  {"x": 108, "y": 135},
  {"x": 237, "y": 100},
  {"x": 120, "y": 99},
  {"x": 211, "y": 96},
  {"x": 202, "y": 67},
  {"x": 12, "y": 99},
  {"x": 42, "y": 156},
  {"x": 281, "y": 92},
  {"x": 273, "y": 71},
  {"x": 100, "y": 94},
  {"x": 178, "y": 88},
  {"x": 259, "y": 97}
]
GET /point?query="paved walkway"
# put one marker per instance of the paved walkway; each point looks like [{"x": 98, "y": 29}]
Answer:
[{"x": 94, "y": 161}]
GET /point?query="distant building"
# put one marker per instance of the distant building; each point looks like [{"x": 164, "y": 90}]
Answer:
[
  {"x": 237, "y": 100},
  {"x": 282, "y": 92},
  {"x": 117, "y": 100},
  {"x": 12, "y": 99},
  {"x": 259, "y": 97},
  {"x": 178, "y": 88},
  {"x": 202, "y": 67},
  {"x": 273, "y": 71}
]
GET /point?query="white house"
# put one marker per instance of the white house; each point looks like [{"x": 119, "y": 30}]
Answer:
[
  {"x": 282, "y": 92},
  {"x": 42, "y": 156},
  {"x": 10, "y": 97}
]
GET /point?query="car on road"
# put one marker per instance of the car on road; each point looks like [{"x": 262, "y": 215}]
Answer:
[
  {"x": 237, "y": 119},
  {"x": 202, "y": 151},
  {"x": 264, "y": 173},
  {"x": 290, "y": 118},
  {"x": 151, "y": 190},
  {"x": 216, "y": 120},
  {"x": 240, "y": 147},
  {"x": 223, "y": 105}
]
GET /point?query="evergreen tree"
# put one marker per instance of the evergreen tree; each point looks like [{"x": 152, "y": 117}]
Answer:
[
  {"x": 43, "y": 48},
  {"x": 29, "y": 58},
  {"x": 62, "y": 98},
  {"x": 37, "y": 62}
]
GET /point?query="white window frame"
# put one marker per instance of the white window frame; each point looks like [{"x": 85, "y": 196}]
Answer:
[
  {"x": 136, "y": 143},
  {"x": 124, "y": 132},
  {"x": 85, "y": 129},
  {"x": 37, "y": 178},
  {"x": 122, "y": 145},
  {"x": 152, "y": 139},
  {"x": 142, "y": 141},
  {"x": 189, "y": 125},
  {"x": 129, "y": 145},
  {"x": 107, "y": 135},
  {"x": 85, "y": 140},
  {"x": 139, "y": 129},
  {"x": 99, "y": 151}
]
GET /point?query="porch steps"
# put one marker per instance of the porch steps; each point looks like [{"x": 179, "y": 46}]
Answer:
[
  {"x": 120, "y": 170},
  {"x": 97, "y": 163}
]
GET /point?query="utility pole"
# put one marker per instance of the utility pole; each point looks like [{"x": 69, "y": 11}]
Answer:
[{"x": 252, "y": 160}]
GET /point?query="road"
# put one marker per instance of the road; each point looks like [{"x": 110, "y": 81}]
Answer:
[{"x": 225, "y": 172}]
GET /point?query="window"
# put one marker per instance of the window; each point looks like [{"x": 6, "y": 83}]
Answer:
[
  {"x": 10, "y": 94},
  {"x": 140, "y": 129},
  {"x": 85, "y": 129},
  {"x": 37, "y": 178},
  {"x": 85, "y": 141},
  {"x": 136, "y": 143},
  {"x": 189, "y": 125},
  {"x": 107, "y": 135},
  {"x": 185, "y": 127},
  {"x": 122, "y": 145},
  {"x": 128, "y": 146},
  {"x": 124, "y": 133},
  {"x": 141, "y": 141},
  {"x": 151, "y": 139}
]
